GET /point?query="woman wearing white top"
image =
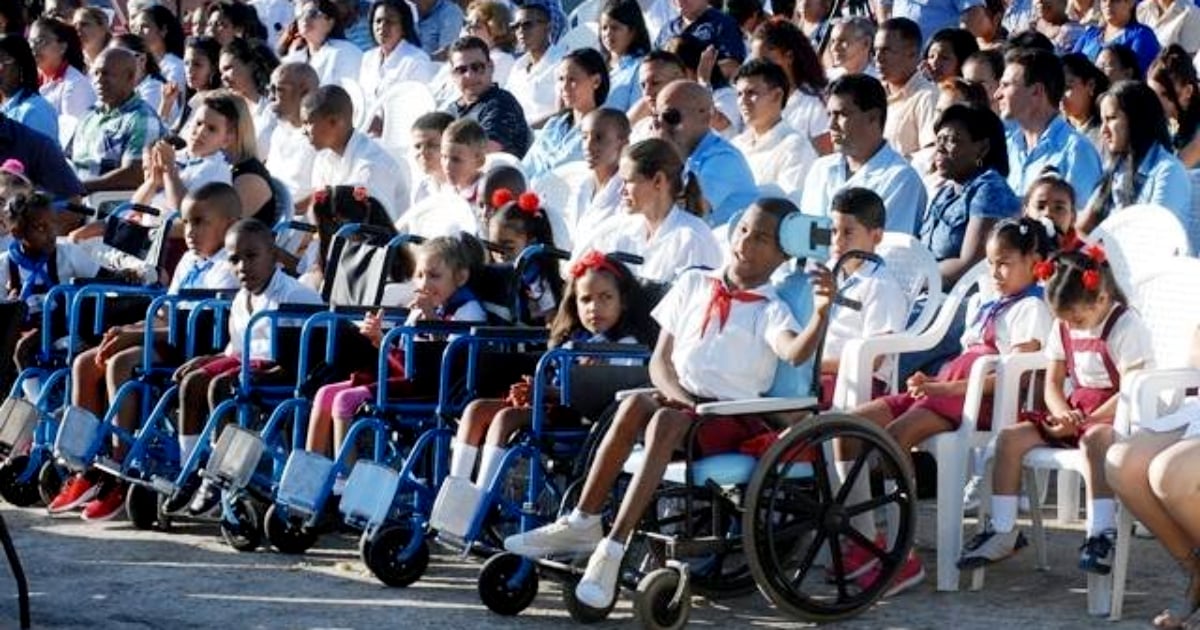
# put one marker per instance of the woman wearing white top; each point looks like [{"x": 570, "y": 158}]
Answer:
[
  {"x": 95, "y": 32},
  {"x": 397, "y": 58},
  {"x": 325, "y": 48},
  {"x": 61, "y": 68},
  {"x": 246, "y": 70},
  {"x": 163, "y": 36},
  {"x": 663, "y": 225},
  {"x": 598, "y": 198},
  {"x": 783, "y": 44}
]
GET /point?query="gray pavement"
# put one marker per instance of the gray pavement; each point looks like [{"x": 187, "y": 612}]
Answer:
[{"x": 108, "y": 575}]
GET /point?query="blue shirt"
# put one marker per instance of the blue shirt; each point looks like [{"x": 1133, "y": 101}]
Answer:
[
  {"x": 34, "y": 111},
  {"x": 933, "y": 15},
  {"x": 1060, "y": 148},
  {"x": 1135, "y": 35},
  {"x": 1162, "y": 180},
  {"x": 557, "y": 143},
  {"x": 441, "y": 26},
  {"x": 359, "y": 33},
  {"x": 712, "y": 27},
  {"x": 625, "y": 87},
  {"x": 887, "y": 173},
  {"x": 43, "y": 160},
  {"x": 725, "y": 178},
  {"x": 986, "y": 196}
]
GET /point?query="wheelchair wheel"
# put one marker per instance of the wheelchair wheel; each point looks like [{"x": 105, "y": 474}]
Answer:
[
  {"x": 286, "y": 536},
  {"x": 394, "y": 557},
  {"x": 497, "y": 589},
  {"x": 241, "y": 525},
  {"x": 795, "y": 510},
  {"x": 16, "y": 492},
  {"x": 141, "y": 506},
  {"x": 660, "y": 603},
  {"x": 581, "y": 612},
  {"x": 50, "y": 481}
]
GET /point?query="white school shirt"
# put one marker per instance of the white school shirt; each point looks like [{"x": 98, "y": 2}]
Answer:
[
  {"x": 290, "y": 158},
  {"x": 534, "y": 84},
  {"x": 282, "y": 289},
  {"x": 683, "y": 240},
  {"x": 151, "y": 91},
  {"x": 750, "y": 338},
  {"x": 589, "y": 208},
  {"x": 215, "y": 272},
  {"x": 364, "y": 163},
  {"x": 72, "y": 262},
  {"x": 72, "y": 95},
  {"x": 377, "y": 74},
  {"x": 884, "y": 310},
  {"x": 1029, "y": 319},
  {"x": 782, "y": 156},
  {"x": 336, "y": 59},
  {"x": 1128, "y": 345},
  {"x": 472, "y": 311},
  {"x": 806, "y": 114}
]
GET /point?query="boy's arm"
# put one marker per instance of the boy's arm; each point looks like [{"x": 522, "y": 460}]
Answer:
[
  {"x": 662, "y": 371},
  {"x": 796, "y": 348}
]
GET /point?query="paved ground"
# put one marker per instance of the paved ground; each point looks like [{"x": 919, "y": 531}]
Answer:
[{"x": 110, "y": 576}]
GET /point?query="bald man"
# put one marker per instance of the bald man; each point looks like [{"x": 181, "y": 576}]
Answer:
[
  {"x": 682, "y": 116},
  {"x": 106, "y": 150},
  {"x": 291, "y": 155}
]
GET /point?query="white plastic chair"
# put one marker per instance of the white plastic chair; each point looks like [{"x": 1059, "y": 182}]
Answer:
[
  {"x": 66, "y": 129},
  {"x": 443, "y": 214},
  {"x": 1137, "y": 237},
  {"x": 556, "y": 188},
  {"x": 500, "y": 158},
  {"x": 584, "y": 35},
  {"x": 358, "y": 97},
  {"x": 403, "y": 104}
]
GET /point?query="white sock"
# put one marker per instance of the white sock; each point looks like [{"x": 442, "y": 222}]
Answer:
[
  {"x": 187, "y": 444},
  {"x": 489, "y": 464},
  {"x": 582, "y": 520},
  {"x": 32, "y": 387},
  {"x": 1102, "y": 516},
  {"x": 859, "y": 493},
  {"x": 1004, "y": 513},
  {"x": 611, "y": 548},
  {"x": 462, "y": 460}
]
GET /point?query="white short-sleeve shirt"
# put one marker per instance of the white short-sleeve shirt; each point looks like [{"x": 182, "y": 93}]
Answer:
[
  {"x": 589, "y": 208},
  {"x": 683, "y": 240},
  {"x": 213, "y": 273},
  {"x": 194, "y": 173},
  {"x": 705, "y": 363},
  {"x": 290, "y": 158},
  {"x": 364, "y": 163},
  {"x": 806, "y": 114},
  {"x": 534, "y": 84},
  {"x": 336, "y": 59},
  {"x": 1029, "y": 319},
  {"x": 1128, "y": 345},
  {"x": 282, "y": 289},
  {"x": 884, "y": 310},
  {"x": 781, "y": 156}
]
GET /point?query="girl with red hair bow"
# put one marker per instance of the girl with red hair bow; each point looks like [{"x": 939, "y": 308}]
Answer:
[{"x": 520, "y": 222}]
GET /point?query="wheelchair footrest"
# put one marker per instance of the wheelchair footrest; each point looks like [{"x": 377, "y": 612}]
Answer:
[
  {"x": 18, "y": 418},
  {"x": 305, "y": 482},
  {"x": 162, "y": 485},
  {"x": 369, "y": 493},
  {"x": 455, "y": 508},
  {"x": 76, "y": 444},
  {"x": 678, "y": 547},
  {"x": 235, "y": 457},
  {"x": 108, "y": 465}
]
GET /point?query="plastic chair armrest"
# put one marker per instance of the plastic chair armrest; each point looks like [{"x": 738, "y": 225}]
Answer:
[
  {"x": 630, "y": 393},
  {"x": 1144, "y": 388},
  {"x": 980, "y": 370},
  {"x": 1007, "y": 394}
]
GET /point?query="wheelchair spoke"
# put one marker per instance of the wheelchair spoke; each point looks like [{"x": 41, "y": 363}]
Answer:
[
  {"x": 874, "y": 503},
  {"x": 859, "y": 463},
  {"x": 810, "y": 557},
  {"x": 821, "y": 471},
  {"x": 865, "y": 543}
]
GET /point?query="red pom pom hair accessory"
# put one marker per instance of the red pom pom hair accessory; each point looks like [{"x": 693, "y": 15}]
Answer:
[
  {"x": 594, "y": 261},
  {"x": 528, "y": 203},
  {"x": 321, "y": 196},
  {"x": 1043, "y": 270},
  {"x": 360, "y": 194},
  {"x": 501, "y": 196},
  {"x": 1091, "y": 280},
  {"x": 1096, "y": 254}
]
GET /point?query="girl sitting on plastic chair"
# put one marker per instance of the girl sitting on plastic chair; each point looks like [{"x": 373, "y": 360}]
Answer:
[
  {"x": 1014, "y": 321},
  {"x": 1095, "y": 342},
  {"x": 601, "y": 306},
  {"x": 520, "y": 222}
]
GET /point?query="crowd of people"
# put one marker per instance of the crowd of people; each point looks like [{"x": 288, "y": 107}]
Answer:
[{"x": 986, "y": 130}]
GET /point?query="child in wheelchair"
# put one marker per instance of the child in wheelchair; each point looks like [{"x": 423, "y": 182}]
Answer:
[
  {"x": 208, "y": 213},
  {"x": 519, "y": 222},
  {"x": 206, "y": 380},
  {"x": 13, "y": 183},
  {"x": 444, "y": 267},
  {"x": 707, "y": 318},
  {"x": 601, "y": 305}
]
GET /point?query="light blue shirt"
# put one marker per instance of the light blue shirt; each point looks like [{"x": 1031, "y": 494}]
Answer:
[
  {"x": 933, "y": 15},
  {"x": 558, "y": 142},
  {"x": 625, "y": 87},
  {"x": 1161, "y": 180},
  {"x": 1060, "y": 148},
  {"x": 886, "y": 173},
  {"x": 441, "y": 27},
  {"x": 725, "y": 178},
  {"x": 1137, "y": 36},
  {"x": 34, "y": 111}
]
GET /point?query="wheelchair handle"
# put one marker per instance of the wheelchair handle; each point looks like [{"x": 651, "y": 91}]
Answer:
[
  {"x": 627, "y": 258},
  {"x": 295, "y": 226}
]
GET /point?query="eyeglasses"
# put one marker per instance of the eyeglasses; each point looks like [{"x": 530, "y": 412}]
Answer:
[
  {"x": 475, "y": 67},
  {"x": 670, "y": 117},
  {"x": 527, "y": 24}
]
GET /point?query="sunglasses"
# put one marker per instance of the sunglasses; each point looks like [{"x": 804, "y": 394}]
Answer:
[
  {"x": 669, "y": 117},
  {"x": 313, "y": 14},
  {"x": 527, "y": 24},
  {"x": 475, "y": 67}
]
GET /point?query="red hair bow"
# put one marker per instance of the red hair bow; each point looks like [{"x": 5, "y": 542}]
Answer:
[
  {"x": 1091, "y": 280},
  {"x": 360, "y": 194},
  {"x": 594, "y": 261},
  {"x": 529, "y": 203},
  {"x": 321, "y": 196},
  {"x": 1043, "y": 270},
  {"x": 1096, "y": 253},
  {"x": 501, "y": 196}
]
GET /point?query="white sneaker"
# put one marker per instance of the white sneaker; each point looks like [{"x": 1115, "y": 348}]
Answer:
[
  {"x": 556, "y": 539},
  {"x": 971, "y": 493},
  {"x": 598, "y": 586}
]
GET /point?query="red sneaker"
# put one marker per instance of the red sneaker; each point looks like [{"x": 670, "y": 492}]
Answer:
[
  {"x": 910, "y": 575},
  {"x": 75, "y": 492},
  {"x": 856, "y": 559},
  {"x": 109, "y": 504}
]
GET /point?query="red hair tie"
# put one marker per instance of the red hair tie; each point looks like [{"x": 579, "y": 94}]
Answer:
[
  {"x": 360, "y": 194},
  {"x": 1043, "y": 270},
  {"x": 594, "y": 261},
  {"x": 501, "y": 196},
  {"x": 1091, "y": 280},
  {"x": 321, "y": 196},
  {"x": 529, "y": 203},
  {"x": 1096, "y": 253}
]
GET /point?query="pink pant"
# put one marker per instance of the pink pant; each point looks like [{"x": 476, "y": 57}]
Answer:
[{"x": 343, "y": 399}]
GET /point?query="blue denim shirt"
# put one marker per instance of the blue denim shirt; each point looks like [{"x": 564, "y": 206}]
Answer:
[
  {"x": 34, "y": 111},
  {"x": 441, "y": 27},
  {"x": 726, "y": 180},
  {"x": 1137, "y": 36},
  {"x": 557, "y": 143},
  {"x": 945, "y": 226},
  {"x": 625, "y": 88},
  {"x": 1059, "y": 147}
]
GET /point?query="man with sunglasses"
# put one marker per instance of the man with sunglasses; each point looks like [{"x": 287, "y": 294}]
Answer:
[
  {"x": 683, "y": 117},
  {"x": 495, "y": 109}
]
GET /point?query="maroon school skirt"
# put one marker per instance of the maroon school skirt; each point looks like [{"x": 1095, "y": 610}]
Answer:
[
  {"x": 948, "y": 407},
  {"x": 1086, "y": 400}
]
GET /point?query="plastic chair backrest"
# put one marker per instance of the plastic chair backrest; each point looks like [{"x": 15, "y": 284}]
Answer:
[
  {"x": 794, "y": 380},
  {"x": 556, "y": 188},
  {"x": 1193, "y": 225},
  {"x": 1137, "y": 237},
  {"x": 583, "y": 35},
  {"x": 500, "y": 158},
  {"x": 1168, "y": 300},
  {"x": 915, "y": 268},
  {"x": 443, "y": 214},
  {"x": 586, "y": 12},
  {"x": 358, "y": 97},
  {"x": 284, "y": 205},
  {"x": 403, "y": 104},
  {"x": 66, "y": 129}
]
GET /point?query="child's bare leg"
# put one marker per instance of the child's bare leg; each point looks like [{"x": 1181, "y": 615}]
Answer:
[
  {"x": 505, "y": 423},
  {"x": 875, "y": 411},
  {"x": 1095, "y": 444},
  {"x": 1173, "y": 476},
  {"x": 87, "y": 383},
  {"x": 633, "y": 414},
  {"x": 320, "y": 420},
  {"x": 1128, "y": 466},
  {"x": 475, "y": 420},
  {"x": 917, "y": 425},
  {"x": 27, "y": 348},
  {"x": 667, "y": 430},
  {"x": 1011, "y": 445},
  {"x": 119, "y": 371}
]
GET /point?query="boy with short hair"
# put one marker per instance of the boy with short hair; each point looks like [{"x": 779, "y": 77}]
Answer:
[
  {"x": 464, "y": 148},
  {"x": 873, "y": 302},
  {"x": 208, "y": 213},
  {"x": 706, "y": 317},
  {"x": 426, "y": 137},
  {"x": 251, "y": 248}
]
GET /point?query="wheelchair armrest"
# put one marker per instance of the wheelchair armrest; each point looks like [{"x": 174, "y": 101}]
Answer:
[
  {"x": 630, "y": 393},
  {"x": 356, "y": 309},
  {"x": 301, "y": 308},
  {"x": 523, "y": 333},
  {"x": 1144, "y": 388},
  {"x": 600, "y": 348},
  {"x": 627, "y": 258},
  {"x": 756, "y": 405}
]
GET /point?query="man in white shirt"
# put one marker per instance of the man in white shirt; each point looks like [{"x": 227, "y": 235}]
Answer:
[
  {"x": 849, "y": 50},
  {"x": 346, "y": 157},
  {"x": 532, "y": 79},
  {"x": 291, "y": 156},
  {"x": 777, "y": 154}
]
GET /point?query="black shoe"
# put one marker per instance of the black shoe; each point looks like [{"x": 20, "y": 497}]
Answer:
[
  {"x": 1093, "y": 556},
  {"x": 182, "y": 495},
  {"x": 205, "y": 499}
]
